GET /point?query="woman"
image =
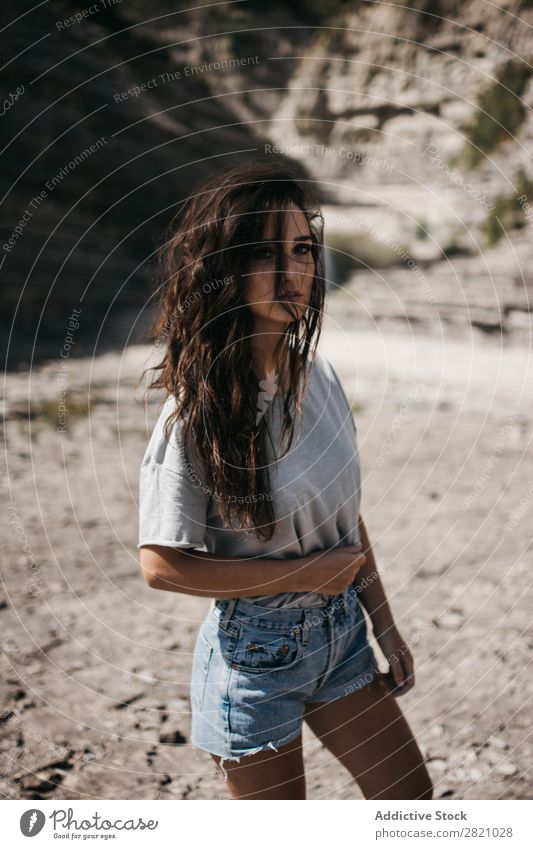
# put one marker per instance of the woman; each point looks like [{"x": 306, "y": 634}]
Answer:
[{"x": 249, "y": 495}]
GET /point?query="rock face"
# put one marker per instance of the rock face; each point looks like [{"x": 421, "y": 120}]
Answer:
[
  {"x": 416, "y": 113},
  {"x": 111, "y": 119},
  {"x": 417, "y": 119}
]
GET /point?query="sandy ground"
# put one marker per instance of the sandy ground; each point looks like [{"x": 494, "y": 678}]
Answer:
[{"x": 95, "y": 665}]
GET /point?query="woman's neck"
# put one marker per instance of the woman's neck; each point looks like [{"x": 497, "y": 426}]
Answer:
[{"x": 266, "y": 367}]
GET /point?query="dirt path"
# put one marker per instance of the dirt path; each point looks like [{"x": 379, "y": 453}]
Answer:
[{"x": 95, "y": 666}]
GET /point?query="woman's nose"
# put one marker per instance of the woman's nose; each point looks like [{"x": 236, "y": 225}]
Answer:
[
  {"x": 290, "y": 280},
  {"x": 290, "y": 267}
]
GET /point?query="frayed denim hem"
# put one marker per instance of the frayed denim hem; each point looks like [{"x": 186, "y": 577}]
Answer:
[
  {"x": 241, "y": 753},
  {"x": 269, "y": 745}
]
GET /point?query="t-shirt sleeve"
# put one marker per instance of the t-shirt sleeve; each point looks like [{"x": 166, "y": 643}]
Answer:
[
  {"x": 343, "y": 393},
  {"x": 173, "y": 496}
]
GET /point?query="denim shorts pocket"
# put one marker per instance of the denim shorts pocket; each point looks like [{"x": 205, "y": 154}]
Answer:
[
  {"x": 203, "y": 653},
  {"x": 265, "y": 650}
]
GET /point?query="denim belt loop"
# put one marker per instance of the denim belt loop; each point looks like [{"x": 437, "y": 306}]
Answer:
[
  {"x": 304, "y": 627},
  {"x": 340, "y": 606},
  {"x": 228, "y": 613},
  {"x": 344, "y": 602}
]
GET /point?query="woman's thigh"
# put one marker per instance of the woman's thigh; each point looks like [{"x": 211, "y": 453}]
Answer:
[
  {"x": 370, "y": 736},
  {"x": 267, "y": 774}
]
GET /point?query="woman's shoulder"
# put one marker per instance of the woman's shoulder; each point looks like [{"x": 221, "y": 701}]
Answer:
[
  {"x": 166, "y": 445},
  {"x": 324, "y": 369},
  {"x": 166, "y": 409},
  {"x": 331, "y": 385}
]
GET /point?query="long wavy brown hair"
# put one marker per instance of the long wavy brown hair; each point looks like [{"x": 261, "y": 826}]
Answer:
[{"x": 205, "y": 326}]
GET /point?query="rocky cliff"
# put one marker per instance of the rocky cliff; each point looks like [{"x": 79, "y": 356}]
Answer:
[{"x": 415, "y": 120}]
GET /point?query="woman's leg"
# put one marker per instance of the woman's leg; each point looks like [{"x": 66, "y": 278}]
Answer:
[
  {"x": 369, "y": 734},
  {"x": 268, "y": 774}
]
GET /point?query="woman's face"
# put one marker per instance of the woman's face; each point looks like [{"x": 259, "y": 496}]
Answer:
[{"x": 298, "y": 269}]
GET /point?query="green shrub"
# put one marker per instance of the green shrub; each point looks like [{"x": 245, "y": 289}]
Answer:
[
  {"x": 500, "y": 113},
  {"x": 422, "y": 229},
  {"x": 507, "y": 213}
]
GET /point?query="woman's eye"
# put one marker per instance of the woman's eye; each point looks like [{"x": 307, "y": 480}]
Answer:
[
  {"x": 262, "y": 253},
  {"x": 267, "y": 252}
]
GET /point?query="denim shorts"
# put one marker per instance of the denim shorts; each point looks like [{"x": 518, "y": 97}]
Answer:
[{"x": 254, "y": 668}]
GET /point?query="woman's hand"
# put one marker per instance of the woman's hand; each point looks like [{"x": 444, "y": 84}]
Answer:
[{"x": 401, "y": 677}]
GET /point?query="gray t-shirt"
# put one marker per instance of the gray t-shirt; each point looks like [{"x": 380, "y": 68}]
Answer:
[{"x": 315, "y": 487}]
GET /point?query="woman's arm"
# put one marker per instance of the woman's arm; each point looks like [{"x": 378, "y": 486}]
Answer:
[
  {"x": 372, "y": 593},
  {"x": 400, "y": 676},
  {"x": 199, "y": 573}
]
